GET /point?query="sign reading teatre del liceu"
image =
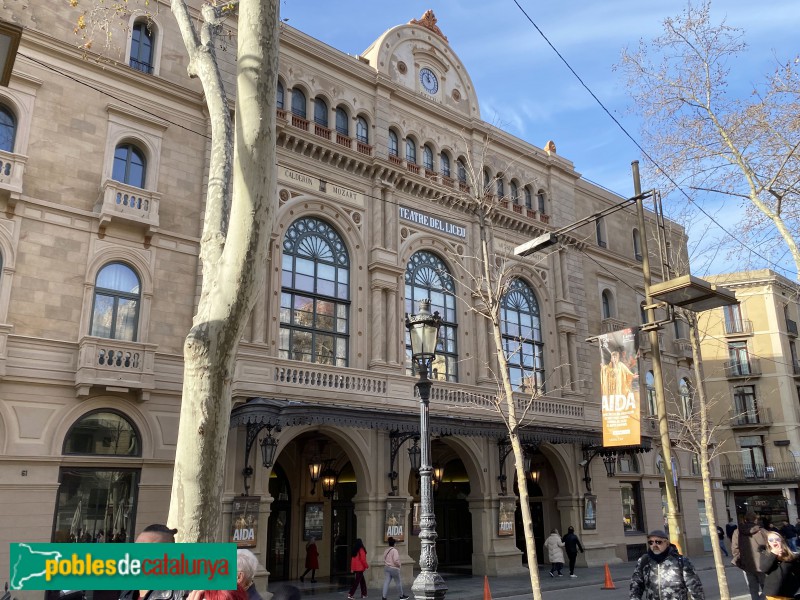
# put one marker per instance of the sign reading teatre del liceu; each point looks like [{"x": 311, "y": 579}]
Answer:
[{"x": 426, "y": 220}]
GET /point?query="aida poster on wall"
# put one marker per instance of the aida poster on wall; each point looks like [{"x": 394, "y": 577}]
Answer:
[{"x": 619, "y": 386}]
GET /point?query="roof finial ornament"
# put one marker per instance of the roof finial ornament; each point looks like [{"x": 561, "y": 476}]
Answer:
[{"x": 428, "y": 21}]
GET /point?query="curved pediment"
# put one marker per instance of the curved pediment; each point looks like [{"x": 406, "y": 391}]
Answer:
[{"x": 418, "y": 57}]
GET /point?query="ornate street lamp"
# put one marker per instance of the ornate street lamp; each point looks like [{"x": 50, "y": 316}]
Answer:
[
  {"x": 329, "y": 480},
  {"x": 10, "y": 35},
  {"x": 268, "y": 447},
  {"x": 423, "y": 329},
  {"x": 314, "y": 469},
  {"x": 610, "y": 463}
]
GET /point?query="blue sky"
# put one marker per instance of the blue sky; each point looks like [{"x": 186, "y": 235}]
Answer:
[{"x": 524, "y": 87}]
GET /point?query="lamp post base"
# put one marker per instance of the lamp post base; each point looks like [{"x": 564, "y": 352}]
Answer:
[{"x": 429, "y": 586}]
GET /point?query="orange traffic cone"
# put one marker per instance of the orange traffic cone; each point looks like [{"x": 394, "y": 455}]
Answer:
[
  {"x": 608, "y": 585},
  {"x": 487, "y": 595}
]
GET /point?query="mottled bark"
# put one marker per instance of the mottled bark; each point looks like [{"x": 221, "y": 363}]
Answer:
[{"x": 240, "y": 212}]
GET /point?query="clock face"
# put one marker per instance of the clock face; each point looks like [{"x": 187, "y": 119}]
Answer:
[{"x": 428, "y": 80}]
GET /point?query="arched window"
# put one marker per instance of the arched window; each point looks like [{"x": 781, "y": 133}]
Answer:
[
  {"x": 528, "y": 199},
  {"x": 501, "y": 188},
  {"x": 129, "y": 165},
  {"x": 393, "y": 144},
  {"x": 142, "y": 47},
  {"x": 462, "y": 171},
  {"x": 298, "y": 103},
  {"x": 8, "y": 129},
  {"x": 514, "y": 193},
  {"x": 411, "y": 151},
  {"x": 444, "y": 164},
  {"x": 105, "y": 433},
  {"x": 487, "y": 183},
  {"x": 650, "y": 390},
  {"x": 117, "y": 297},
  {"x": 342, "y": 121},
  {"x": 97, "y": 504},
  {"x": 540, "y": 201},
  {"x": 362, "y": 130},
  {"x": 600, "y": 231},
  {"x": 521, "y": 329},
  {"x": 427, "y": 157},
  {"x": 280, "y": 96},
  {"x": 427, "y": 277},
  {"x": 320, "y": 112},
  {"x": 608, "y": 304},
  {"x": 315, "y": 294},
  {"x": 637, "y": 245},
  {"x": 686, "y": 398},
  {"x": 627, "y": 463}
]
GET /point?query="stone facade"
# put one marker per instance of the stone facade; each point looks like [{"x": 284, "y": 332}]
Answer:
[
  {"x": 67, "y": 217},
  {"x": 753, "y": 375}
]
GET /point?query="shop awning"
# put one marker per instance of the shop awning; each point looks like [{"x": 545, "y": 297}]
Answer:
[{"x": 287, "y": 413}]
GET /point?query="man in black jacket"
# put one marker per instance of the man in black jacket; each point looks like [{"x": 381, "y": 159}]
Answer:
[
  {"x": 572, "y": 544},
  {"x": 730, "y": 528}
]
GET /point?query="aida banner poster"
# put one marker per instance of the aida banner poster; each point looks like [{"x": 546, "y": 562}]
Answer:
[{"x": 619, "y": 386}]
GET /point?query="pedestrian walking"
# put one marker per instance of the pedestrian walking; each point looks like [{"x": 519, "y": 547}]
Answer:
[
  {"x": 663, "y": 573},
  {"x": 730, "y": 528},
  {"x": 358, "y": 564},
  {"x": 789, "y": 533},
  {"x": 781, "y": 568},
  {"x": 312, "y": 560},
  {"x": 748, "y": 541},
  {"x": 555, "y": 553},
  {"x": 721, "y": 536},
  {"x": 572, "y": 545},
  {"x": 391, "y": 569}
]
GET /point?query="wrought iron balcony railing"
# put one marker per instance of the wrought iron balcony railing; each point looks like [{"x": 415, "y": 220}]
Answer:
[
  {"x": 758, "y": 473},
  {"x": 750, "y": 367},
  {"x": 738, "y": 327},
  {"x": 751, "y": 418}
]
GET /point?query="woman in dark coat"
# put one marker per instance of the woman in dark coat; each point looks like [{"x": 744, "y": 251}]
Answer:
[
  {"x": 312, "y": 560},
  {"x": 781, "y": 567}
]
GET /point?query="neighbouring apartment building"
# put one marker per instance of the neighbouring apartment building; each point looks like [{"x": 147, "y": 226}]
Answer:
[
  {"x": 103, "y": 162},
  {"x": 752, "y": 376}
]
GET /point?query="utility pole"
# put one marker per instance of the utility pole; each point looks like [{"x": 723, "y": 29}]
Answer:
[{"x": 673, "y": 516}]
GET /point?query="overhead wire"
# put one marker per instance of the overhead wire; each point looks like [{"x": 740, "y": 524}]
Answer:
[{"x": 639, "y": 146}]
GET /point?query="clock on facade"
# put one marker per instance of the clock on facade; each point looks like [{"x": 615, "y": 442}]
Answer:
[{"x": 428, "y": 80}]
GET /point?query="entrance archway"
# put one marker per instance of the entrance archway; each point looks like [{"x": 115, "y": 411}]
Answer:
[
  {"x": 453, "y": 519},
  {"x": 279, "y": 526}
]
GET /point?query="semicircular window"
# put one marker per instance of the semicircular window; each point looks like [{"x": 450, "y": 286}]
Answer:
[
  {"x": 427, "y": 277},
  {"x": 522, "y": 337},
  {"x": 315, "y": 294},
  {"x": 104, "y": 433}
]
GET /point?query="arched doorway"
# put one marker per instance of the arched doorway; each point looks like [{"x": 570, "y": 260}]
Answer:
[
  {"x": 535, "y": 498},
  {"x": 453, "y": 519},
  {"x": 279, "y": 526}
]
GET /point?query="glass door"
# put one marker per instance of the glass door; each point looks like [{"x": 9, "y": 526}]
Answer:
[{"x": 278, "y": 527}]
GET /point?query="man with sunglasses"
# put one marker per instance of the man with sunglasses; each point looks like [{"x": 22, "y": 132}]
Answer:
[{"x": 663, "y": 573}]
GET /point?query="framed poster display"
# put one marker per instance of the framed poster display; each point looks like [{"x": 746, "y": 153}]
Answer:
[
  {"x": 313, "y": 521},
  {"x": 244, "y": 521},
  {"x": 395, "y": 520},
  {"x": 505, "y": 517},
  {"x": 589, "y": 512}
]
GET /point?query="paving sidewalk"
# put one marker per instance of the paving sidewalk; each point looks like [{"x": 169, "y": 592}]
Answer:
[{"x": 467, "y": 587}]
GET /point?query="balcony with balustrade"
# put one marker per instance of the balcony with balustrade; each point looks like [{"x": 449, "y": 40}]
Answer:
[
  {"x": 738, "y": 327},
  {"x": 742, "y": 368},
  {"x": 12, "y": 169},
  {"x": 131, "y": 205},
  {"x": 775, "y": 472},
  {"x": 756, "y": 417},
  {"x": 115, "y": 365},
  {"x": 609, "y": 325}
]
